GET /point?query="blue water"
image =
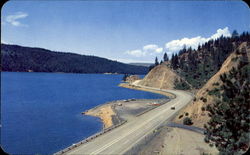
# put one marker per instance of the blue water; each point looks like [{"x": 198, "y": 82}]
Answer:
[{"x": 41, "y": 112}]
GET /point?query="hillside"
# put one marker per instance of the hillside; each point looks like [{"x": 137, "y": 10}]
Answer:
[
  {"x": 23, "y": 59},
  {"x": 197, "y": 66},
  {"x": 203, "y": 96},
  {"x": 161, "y": 76},
  {"x": 199, "y": 71}
]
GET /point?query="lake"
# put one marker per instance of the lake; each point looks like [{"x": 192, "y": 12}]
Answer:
[{"x": 41, "y": 112}]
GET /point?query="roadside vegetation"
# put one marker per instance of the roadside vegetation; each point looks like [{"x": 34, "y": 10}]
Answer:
[
  {"x": 187, "y": 121},
  {"x": 229, "y": 126},
  {"x": 181, "y": 84}
]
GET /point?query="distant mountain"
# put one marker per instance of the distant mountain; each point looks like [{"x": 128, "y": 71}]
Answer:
[
  {"x": 23, "y": 59},
  {"x": 141, "y": 64}
]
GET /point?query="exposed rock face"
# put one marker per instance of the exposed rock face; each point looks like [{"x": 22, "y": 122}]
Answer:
[
  {"x": 194, "y": 110},
  {"x": 132, "y": 78},
  {"x": 160, "y": 76}
]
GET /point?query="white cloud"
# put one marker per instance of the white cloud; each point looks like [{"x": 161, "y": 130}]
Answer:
[
  {"x": 136, "y": 53},
  {"x": 159, "y": 50},
  {"x": 13, "y": 19},
  {"x": 176, "y": 45},
  {"x": 225, "y": 32},
  {"x": 150, "y": 49}
]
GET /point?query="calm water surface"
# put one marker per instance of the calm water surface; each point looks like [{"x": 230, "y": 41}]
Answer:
[{"x": 41, "y": 112}]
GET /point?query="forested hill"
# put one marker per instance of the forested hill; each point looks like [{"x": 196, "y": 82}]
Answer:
[
  {"x": 197, "y": 66},
  {"x": 23, "y": 59}
]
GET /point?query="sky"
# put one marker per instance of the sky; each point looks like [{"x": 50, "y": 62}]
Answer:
[{"x": 126, "y": 31}]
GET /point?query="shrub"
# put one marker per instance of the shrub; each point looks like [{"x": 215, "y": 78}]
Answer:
[
  {"x": 182, "y": 85},
  {"x": 187, "y": 121},
  {"x": 215, "y": 92},
  {"x": 234, "y": 59},
  {"x": 204, "y": 100},
  {"x": 203, "y": 108},
  {"x": 206, "y": 140},
  {"x": 186, "y": 114},
  {"x": 180, "y": 116}
]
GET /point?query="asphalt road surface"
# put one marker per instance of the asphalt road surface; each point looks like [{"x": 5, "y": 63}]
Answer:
[{"x": 121, "y": 139}]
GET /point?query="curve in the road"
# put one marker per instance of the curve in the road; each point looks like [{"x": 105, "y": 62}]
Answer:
[{"x": 121, "y": 139}]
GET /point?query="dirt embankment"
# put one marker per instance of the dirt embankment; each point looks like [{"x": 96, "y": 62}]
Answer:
[
  {"x": 160, "y": 76},
  {"x": 196, "y": 110}
]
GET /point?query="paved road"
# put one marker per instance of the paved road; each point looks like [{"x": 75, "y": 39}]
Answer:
[{"x": 121, "y": 139}]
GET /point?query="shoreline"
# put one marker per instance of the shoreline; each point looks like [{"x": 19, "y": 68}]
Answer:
[
  {"x": 127, "y": 85},
  {"x": 110, "y": 116},
  {"x": 105, "y": 112},
  {"x": 31, "y": 71}
]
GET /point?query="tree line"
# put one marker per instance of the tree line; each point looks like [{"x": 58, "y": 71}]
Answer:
[
  {"x": 199, "y": 65},
  {"x": 22, "y": 59}
]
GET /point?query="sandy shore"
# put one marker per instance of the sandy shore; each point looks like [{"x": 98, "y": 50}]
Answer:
[{"x": 104, "y": 112}]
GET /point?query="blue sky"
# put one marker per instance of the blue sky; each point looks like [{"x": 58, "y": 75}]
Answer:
[{"x": 127, "y": 31}]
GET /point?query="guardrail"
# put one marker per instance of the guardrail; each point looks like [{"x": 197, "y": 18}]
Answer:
[{"x": 89, "y": 138}]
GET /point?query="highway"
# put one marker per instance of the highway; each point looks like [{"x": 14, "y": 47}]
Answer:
[{"x": 121, "y": 139}]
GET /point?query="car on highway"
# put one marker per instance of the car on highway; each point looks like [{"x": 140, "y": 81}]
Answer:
[{"x": 172, "y": 108}]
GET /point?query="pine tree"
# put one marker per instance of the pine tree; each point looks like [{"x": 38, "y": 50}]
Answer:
[
  {"x": 229, "y": 126},
  {"x": 235, "y": 34},
  {"x": 156, "y": 61},
  {"x": 165, "y": 57},
  {"x": 172, "y": 59},
  {"x": 175, "y": 61}
]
